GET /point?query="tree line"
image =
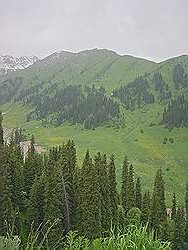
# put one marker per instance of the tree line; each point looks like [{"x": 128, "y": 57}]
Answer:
[
  {"x": 176, "y": 113},
  {"x": 53, "y": 189},
  {"x": 90, "y": 107}
]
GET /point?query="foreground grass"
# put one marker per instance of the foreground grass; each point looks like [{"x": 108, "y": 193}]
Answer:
[
  {"x": 133, "y": 136},
  {"x": 133, "y": 239}
]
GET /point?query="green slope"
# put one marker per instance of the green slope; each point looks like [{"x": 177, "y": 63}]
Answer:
[
  {"x": 102, "y": 67},
  {"x": 145, "y": 150}
]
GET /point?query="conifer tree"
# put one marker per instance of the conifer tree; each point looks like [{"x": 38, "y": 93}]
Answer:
[
  {"x": 53, "y": 196},
  {"x": 124, "y": 185},
  {"x": 35, "y": 214},
  {"x": 113, "y": 191},
  {"x": 32, "y": 167},
  {"x": 138, "y": 194},
  {"x": 179, "y": 231},
  {"x": 173, "y": 214},
  {"x": 101, "y": 165},
  {"x": 131, "y": 189},
  {"x": 8, "y": 212},
  {"x": 67, "y": 161},
  {"x": 145, "y": 210},
  {"x": 158, "y": 207},
  {"x": 89, "y": 206}
]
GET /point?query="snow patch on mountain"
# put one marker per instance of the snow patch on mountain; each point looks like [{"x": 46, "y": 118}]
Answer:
[{"x": 10, "y": 63}]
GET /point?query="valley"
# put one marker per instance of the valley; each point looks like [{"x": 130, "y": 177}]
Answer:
[{"x": 138, "y": 87}]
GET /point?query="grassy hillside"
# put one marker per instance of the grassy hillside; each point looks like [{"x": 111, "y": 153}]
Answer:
[
  {"x": 145, "y": 150},
  {"x": 136, "y": 134}
]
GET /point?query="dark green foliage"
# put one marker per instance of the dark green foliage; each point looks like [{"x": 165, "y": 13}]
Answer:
[
  {"x": 71, "y": 104},
  {"x": 138, "y": 194},
  {"x": 136, "y": 93},
  {"x": 1, "y": 129},
  {"x": 176, "y": 113},
  {"x": 173, "y": 214},
  {"x": 1, "y": 176},
  {"x": 32, "y": 168},
  {"x": 7, "y": 198},
  {"x": 54, "y": 198},
  {"x": 9, "y": 87},
  {"x": 113, "y": 191},
  {"x": 134, "y": 216},
  {"x": 124, "y": 184},
  {"x": 101, "y": 166},
  {"x": 131, "y": 189},
  {"x": 67, "y": 160},
  {"x": 158, "y": 207},
  {"x": 35, "y": 212},
  {"x": 180, "y": 78},
  {"x": 161, "y": 87},
  {"x": 89, "y": 200},
  {"x": 179, "y": 230},
  {"x": 146, "y": 209}
]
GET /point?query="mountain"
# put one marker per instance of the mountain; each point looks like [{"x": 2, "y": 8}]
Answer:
[
  {"x": 10, "y": 63},
  {"x": 109, "y": 103}
]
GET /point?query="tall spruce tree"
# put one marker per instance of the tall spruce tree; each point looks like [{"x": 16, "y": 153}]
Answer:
[
  {"x": 89, "y": 200},
  {"x": 35, "y": 213},
  {"x": 173, "y": 213},
  {"x": 32, "y": 167},
  {"x": 67, "y": 161},
  {"x": 179, "y": 231},
  {"x": 158, "y": 207},
  {"x": 145, "y": 210},
  {"x": 7, "y": 199},
  {"x": 138, "y": 194},
  {"x": 113, "y": 191},
  {"x": 124, "y": 184},
  {"x": 131, "y": 189},
  {"x": 53, "y": 197},
  {"x": 101, "y": 165}
]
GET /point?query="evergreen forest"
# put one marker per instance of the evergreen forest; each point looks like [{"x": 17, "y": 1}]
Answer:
[{"x": 47, "y": 201}]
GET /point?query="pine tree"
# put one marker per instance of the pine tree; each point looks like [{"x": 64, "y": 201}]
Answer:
[
  {"x": 131, "y": 189},
  {"x": 145, "y": 215},
  {"x": 173, "y": 214},
  {"x": 158, "y": 207},
  {"x": 32, "y": 167},
  {"x": 124, "y": 184},
  {"x": 8, "y": 212},
  {"x": 179, "y": 231},
  {"x": 67, "y": 161},
  {"x": 35, "y": 213},
  {"x": 138, "y": 194},
  {"x": 89, "y": 206},
  {"x": 113, "y": 191},
  {"x": 53, "y": 197},
  {"x": 101, "y": 165}
]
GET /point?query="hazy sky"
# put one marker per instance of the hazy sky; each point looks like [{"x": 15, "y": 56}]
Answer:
[{"x": 155, "y": 29}]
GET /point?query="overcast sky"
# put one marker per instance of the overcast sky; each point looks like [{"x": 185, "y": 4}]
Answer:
[{"x": 154, "y": 29}]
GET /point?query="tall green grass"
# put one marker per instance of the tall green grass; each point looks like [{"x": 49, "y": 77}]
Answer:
[{"x": 135, "y": 238}]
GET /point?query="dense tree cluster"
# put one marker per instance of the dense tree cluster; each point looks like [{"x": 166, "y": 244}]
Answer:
[
  {"x": 136, "y": 93},
  {"x": 176, "y": 113},
  {"x": 180, "y": 78},
  {"x": 9, "y": 88},
  {"x": 161, "y": 87},
  {"x": 90, "y": 108},
  {"x": 53, "y": 190}
]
